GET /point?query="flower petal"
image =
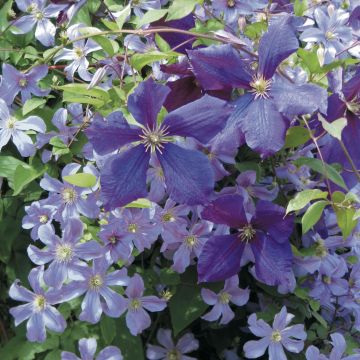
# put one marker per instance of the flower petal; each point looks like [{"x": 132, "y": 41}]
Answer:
[{"x": 254, "y": 349}]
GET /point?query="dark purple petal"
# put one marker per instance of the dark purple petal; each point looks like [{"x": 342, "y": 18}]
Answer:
[
  {"x": 228, "y": 210},
  {"x": 146, "y": 101},
  {"x": 271, "y": 219},
  {"x": 123, "y": 178},
  {"x": 264, "y": 127},
  {"x": 272, "y": 259},
  {"x": 188, "y": 174},
  {"x": 278, "y": 43},
  {"x": 110, "y": 135},
  {"x": 220, "y": 258},
  {"x": 220, "y": 67},
  {"x": 201, "y": 119}
]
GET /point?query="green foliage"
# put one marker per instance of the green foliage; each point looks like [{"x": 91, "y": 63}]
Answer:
[
  {"x": 296, "y": 136},
  {"x": 312, "y": 215},
  {"x": 181, "y": 8},
  {"x": 84, "y": 180},
  {"x": 304, "y": 197}
]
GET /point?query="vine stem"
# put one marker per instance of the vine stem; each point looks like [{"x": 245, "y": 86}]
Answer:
[
  {"x": 348, "y": 156},
  {"x": 313, "y": 138}
]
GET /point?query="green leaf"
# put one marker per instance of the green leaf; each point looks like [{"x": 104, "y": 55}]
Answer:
[
  {"x": 312, "y": 215},
  {"x": 324, "y": 169},
  {"x": 161, "y": 43},
  {"x": 295, "y": 136},
  {"x": 4, "y": 11},
  {"x": 304, "y": 197},
  {"x": 108, "y": 329},
  {"x": 151, "y": 16},
  {"x": 25, "y": 174},
  {"x": 59, "y": 148},
  {"x": 32, "y": 104},
  {"x": 8, "y": 165},
  {"x": 255, "y": 30},
  {"x": 181, "y": 8},
  {"x": 122, "y": 16},
  {"x": 320, "y": 319},
  {"x": 300, "y": 6},
  {"x": 334, "y": 128},
  {"x": 169, "y": 277},
  {"x": 131, "y": 346},
  {"x": 84, "y": 180},
  {"x": 310, "y": 60},
  {"x": 138, "y": 61},
  {"x": 186, "y": 305},
  {"x": 345, "y": 220},
  {"x": 139, "y": 203}
]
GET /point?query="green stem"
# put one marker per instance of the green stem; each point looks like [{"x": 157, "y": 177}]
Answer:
[{"x": 348, "y": 156}]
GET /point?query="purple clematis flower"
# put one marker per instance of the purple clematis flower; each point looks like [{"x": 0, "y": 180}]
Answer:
[
  {"x": 39, "y": 309},
  {"x": 137, "y": 319},
  {"x": 38, "y": 214},
  {"x": 231, "y": 293},
  {"x": 265, "y": 235},
  {"x": 14, "y": 81},
  {"x": 332, "y": 33},
  {"x": 11, "y": 128},
  {"x": 69, "y": 11},
  {"x": 38, "y": 15},
  {"x": 63, "y": 253},
  {"x": 261, "y": 113},
  {"x": 337, "y": 353},
  {"x": 70, "y": 200},
  {"x": 96, "y": 283},
  {"x": 87, "y": 348},
  {"x": 170, "y": 350},
  {"x": 276, "y": 337},
  {"x": 188, "y": 175}
]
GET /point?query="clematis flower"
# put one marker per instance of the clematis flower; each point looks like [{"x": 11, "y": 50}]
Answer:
[
  {"x": 14, "y": 81},
  {"x": 11, "y": 128},
  {"x": 38, "y": 214},
  {"x": 39, "y": 309},
  {"x": 170, "y": 350},
  {"x": 265, "y": 235},
  {"x": 87, "y": 348},
  {"x": 231, "y": 293},
  {"x": 332, "y": 33},
  {"x": 70, "y": 200},
  {"x": 276, "y": 337},
  {"x": 38, "y": 16},
  {"x": 261, "y": 114},
  {"x": 188, "y": 175},
  {"x": 337, "y": 353},
  {"x": 63, "y": 253},
  {"x": 96, "y": 283},
  {"x": 137, "y": 319},
  {"x": 69, "y": 11}
]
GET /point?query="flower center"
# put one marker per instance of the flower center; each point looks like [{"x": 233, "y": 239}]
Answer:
[
  {"x": 260, "y": 87},
  {"x": 168, "y": 217},
  {"x": 79, "y": 53},
  {"x": 191, "y": 241},
  {"x": 64, "y": 253},
  {"x": 39, "y": 15},
  {"x": 321, "y": 249},
  {"x": 276, "y": 336},
  {"x": 113, "y": 239},
  {"x": 40, "y": 302},
  {"x": 69, "y": 195},
  {"x": 95, "y": 282},
  {"x": 326, "y": 279},
  {"x": 154, "y": 139},
  {"x": 43, "y": 219},
  {"x": 134, "y": 304},
  {"x": 133, "y": 228},
  {"x": 10, "y": 124},
  {"x": 173, "y": 355},
  {"x": 247, "y": 233},
  {"x": 22, "y": 82},
  {"x": 231, "y": 3},
  {"x": 224, "y": 297},
  {"x": 329, "y": 35}
]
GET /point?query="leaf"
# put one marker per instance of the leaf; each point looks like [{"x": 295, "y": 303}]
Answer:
[
  {"x": 345, "y": 220},
  {"x": 186, "y": 305},
  {"x": 122, "y": 16},
  {"x": 299, "y": 7},
  {"x": 324, "y": 169},
  {"x": 295, "y": 136},
  {"x": 25, "y": 174},
  {"x": 312, "y": 215},
  {"x": 320, "y": 319},
  {"x": 138, "y": 61},
  {"x": 59, "y": 148},
  {"x": 8, "y": 165},
  {"x": 84, "y": 180},
  {"x": 161, "y": 43},
  {"x": 131, "y": 346},
  {"x": 4, "y": 11},
  {"x": 310, "y": 59},
  {"x": 181, "y": 8},
  {"x": 169, "y": 277},
  {"x": 151, "y": 16},
  {"x": 108, "y": 329},
  {"x": 139, "y": 203},
  {"x": 32, "y": 104},
  {"x": 304, "y": 197},
  {"x": 334, "y": 128}
]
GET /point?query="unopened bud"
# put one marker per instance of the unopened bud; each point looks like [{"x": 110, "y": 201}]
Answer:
[
  {"x": 242, "y": 23},
  {"x": 98, "y": 76}
]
